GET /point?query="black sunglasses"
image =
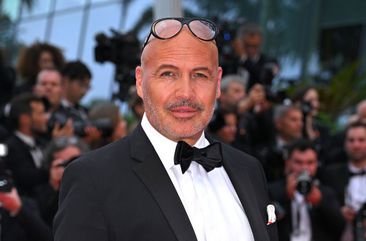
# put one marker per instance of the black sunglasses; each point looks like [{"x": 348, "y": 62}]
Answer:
[{"x": 166, "y": 28}]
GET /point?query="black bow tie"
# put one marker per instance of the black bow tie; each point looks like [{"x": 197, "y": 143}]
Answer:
[
  {"x": 208, "y": 157},
  {"x": 359, "y": 173}
]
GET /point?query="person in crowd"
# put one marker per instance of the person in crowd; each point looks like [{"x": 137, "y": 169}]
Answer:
[
  {"x": 49, "y": 85},
  {"x": 60, "y": 152},
  {"x": 288, "y": 128},
  {"x": 147, "y": 186},
  {"x": 232, "y": 92},
  {"x": 335, "y": 152},
  {"x": 309, "y": 210},
  {"x": 261, "y": 68},
  {"x": 348, "y": 179},
  {"x": 110, "y": 121},
  {"x": 223, "y": 126},
  {"x": 255, "y": 125},
  {"x": 24, "y": 158},
  {"x": 307, "y": 99},
  {"x": 32, "y": 60},
  {"x": 76, "y": 78}
]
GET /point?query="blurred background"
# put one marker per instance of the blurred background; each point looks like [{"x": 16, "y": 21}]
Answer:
[{"x": 320, "y": 42}]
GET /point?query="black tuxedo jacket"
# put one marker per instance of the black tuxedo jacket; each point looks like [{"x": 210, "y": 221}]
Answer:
[
  {"x": 20, "y": 162},
  {"x": 122, "y": 192},
  {"x": 337, "y": 177}
]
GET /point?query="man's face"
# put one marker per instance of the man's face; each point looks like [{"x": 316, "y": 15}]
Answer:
[
  {"x": 300, "y": 161},
  {"x": 233, "y": 94},
  {"x": 179, "y": 81},
  {"x": 38, "y": 118},
  {"x": 252, "y": 44},
  {"x": 76, "y": 89},
  {"x": 49, "y": 86},
  {"x": 356, "y": 144},
  {"x": 290, "y": 125}
]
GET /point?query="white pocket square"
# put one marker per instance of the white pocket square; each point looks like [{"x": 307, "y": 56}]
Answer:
[{"x": 271, "y": 214}]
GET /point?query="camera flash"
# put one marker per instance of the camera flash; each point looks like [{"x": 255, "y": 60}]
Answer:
[{"x": 3, "y": 150}]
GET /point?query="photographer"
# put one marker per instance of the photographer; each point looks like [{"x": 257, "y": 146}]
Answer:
[
  {"x": 310, "y": 210},
  {"x": 349, "y": 181},
  {"x": 76, "y": 78},
  {"x": 262, "y": 69},
  {"x": 307, "y": 99}
]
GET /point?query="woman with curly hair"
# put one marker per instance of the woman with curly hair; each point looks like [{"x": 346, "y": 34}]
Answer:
[{"x": 35, "y": 58}]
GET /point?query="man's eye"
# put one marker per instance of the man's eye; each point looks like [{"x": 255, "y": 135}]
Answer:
[
  {"x": 200, "y": 76},
  {"x": 167, "y": 74}
]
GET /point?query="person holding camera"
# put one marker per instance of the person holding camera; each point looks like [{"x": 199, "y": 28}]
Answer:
[
  {"x": 348, "y": 179},
  {"x": 307, "y": 210}
]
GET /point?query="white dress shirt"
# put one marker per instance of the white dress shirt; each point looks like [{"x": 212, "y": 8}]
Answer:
[
  {"x": 209, "y": 198},
  {"x": 301, "y": 224},
  {"x": 356, "y": 192}
]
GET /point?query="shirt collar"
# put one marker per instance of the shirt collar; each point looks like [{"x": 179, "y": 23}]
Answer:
[
  {"x": 164, "y": 147},
  {"x": 355, "y": 169},
  {"x": 26, "y": 139}
]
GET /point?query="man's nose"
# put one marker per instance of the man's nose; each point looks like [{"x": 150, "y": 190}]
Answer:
[{"x": 185, "y": 88}]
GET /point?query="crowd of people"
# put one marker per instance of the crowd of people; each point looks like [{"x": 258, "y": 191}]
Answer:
[{"x": 316, "y": 179}]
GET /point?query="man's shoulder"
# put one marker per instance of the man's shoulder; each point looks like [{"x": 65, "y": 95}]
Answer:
[
  {"x": 237, "y": 155},
  {"x": 103, "y": 156}
]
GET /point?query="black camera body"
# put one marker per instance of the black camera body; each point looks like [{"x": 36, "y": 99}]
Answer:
[
  {"x": 306, "y": 107},
  {"x": 304, "y": 183},
  {"x": 120, "y": 49},
  {"x": 105, "y": 125}
]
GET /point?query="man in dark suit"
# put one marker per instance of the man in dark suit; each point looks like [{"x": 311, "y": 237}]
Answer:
[
  {"x": 146, "y": 186},
  {"x": 310, "y": 210},
  {"x": 24, "y": 157},
  {"x": 348, "y": 179}
]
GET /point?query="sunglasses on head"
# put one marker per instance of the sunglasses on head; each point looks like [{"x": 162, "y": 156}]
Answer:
[{"x": 166, "y": 28}]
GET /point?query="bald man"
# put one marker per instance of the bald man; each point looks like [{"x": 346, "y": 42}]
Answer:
[{"x": 168, "y": 180}]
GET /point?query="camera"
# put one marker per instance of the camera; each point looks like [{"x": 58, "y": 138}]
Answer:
[
  {"x": 6, "y": 182},
  {"x": 304, "y": 183},
  {"x": 120, "y": 49},
  {"x": 123, "y": 50},
  {"x": 105, "y": 125},
  {"x": 306, "y": 107}
]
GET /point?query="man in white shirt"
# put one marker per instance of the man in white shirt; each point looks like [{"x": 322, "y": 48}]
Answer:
[
  {"x": 167, "y": 180},
  {"x": 349, "y": 179}
]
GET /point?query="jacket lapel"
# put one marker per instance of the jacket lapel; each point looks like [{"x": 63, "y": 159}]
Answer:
[
  {"x": 153, "y": 174},
  {"x": 239, "y": 177}
]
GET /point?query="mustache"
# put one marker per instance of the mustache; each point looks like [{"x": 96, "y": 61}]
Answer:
[{"x": 185, "y": 103}]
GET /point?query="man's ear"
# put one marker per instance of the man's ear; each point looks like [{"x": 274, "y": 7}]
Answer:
[
  {"x": 138, "y": 76},
  {"x": 219, "y": 76}
]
